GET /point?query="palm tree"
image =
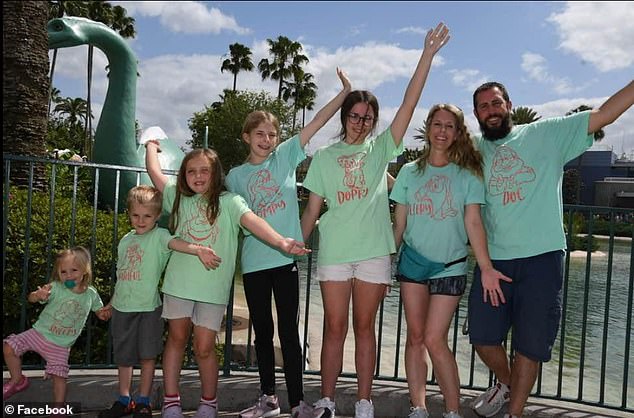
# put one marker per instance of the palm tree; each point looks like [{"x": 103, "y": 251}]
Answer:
[
  {"x": 74, "y": 110},
  {"x": 25, "y": 85},
  {"x": 524, "y": 115},
  {"x": 302, "y": 90},
  {"x": 422, "y": 133},
  {"x": 240, "y": 60},
  {"x": 285, "y": 54}
]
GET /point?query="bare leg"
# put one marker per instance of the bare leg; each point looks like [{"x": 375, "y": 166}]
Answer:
[
  {"x": 204, "y": 349},
  {"x": 523, "y": 376},
  {"x": 14, "y": 363},
  {"x": 415, "y": 300},
  {"x": 366, "y": 298},
  {"x": 125, "y": 380},
  {"x": 177, "y": 337},
  {"x": 59, "y": 389},
  {"x": 441, "y": 310},
  {"x": 336, "y": 300},
  {"x": 494, "y": 356},
  {"x": 147, "y": 376}
]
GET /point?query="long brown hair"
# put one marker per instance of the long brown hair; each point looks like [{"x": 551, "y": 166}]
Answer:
[
  {"x": 462, "y": 152},
  {"x": 216, "y": 186}
]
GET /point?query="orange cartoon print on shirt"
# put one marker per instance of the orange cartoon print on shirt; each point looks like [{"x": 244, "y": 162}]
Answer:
[
  {"x": 264, "y": 194},
  {"x": 434, "y": 198},
  {"x": 508, "y": 173},
  {"x": 353, "y": 177}
]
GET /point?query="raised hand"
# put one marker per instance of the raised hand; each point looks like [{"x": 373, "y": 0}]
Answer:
[
  {"x": 436, "y": 38},
  {"x": 345, "y": 81},
  {"x": 43, "y": 292}
]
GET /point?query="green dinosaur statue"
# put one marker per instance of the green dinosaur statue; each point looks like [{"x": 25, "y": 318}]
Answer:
[{"x": 115, "y": 136}]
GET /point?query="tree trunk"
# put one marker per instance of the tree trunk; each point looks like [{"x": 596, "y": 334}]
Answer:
[{"x": 25, "y": 84}]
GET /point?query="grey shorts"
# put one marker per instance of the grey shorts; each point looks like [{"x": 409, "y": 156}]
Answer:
[
  {"x": 207, "y": 315},
  {"x": 450, "y": 285},
  {"x": 136, "y": 336}
]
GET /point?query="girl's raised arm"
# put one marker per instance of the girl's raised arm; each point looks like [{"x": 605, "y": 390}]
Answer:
[
  {"x": 434, "y": 40},
  {"x": 326, "y": 112},
  {"x": 152, "y": 148}
]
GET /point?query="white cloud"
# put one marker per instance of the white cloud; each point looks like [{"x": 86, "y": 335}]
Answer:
[
  {"x": 468, "y": 79},
  {"x": 187, "y": 16},
  {"x": 536, "y": 67},
  {"x": 412, "y": 29},
  {"x": 601, "y": 33}
]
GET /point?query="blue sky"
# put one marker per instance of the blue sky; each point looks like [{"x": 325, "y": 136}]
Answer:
[{"x": 552, "y": 56}]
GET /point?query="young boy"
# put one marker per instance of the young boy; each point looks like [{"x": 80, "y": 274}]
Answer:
[{"x": 137, "y": 326}]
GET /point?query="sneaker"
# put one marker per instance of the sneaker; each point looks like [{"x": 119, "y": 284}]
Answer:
[
  {"x": 418, "y": 412},
  {"x": 303, "y": 410},
  {"x": 206, "y": 411},
  {"x": 142, "y": 410},
  {"x": 173, "y": 411},
  {"x": 324, "y": 408},
  {"x": 491, "y": 401},
  {"x": 9, "y": 389},
  {"x": 266, "y": 406},
  {"x": 363, "y": 409},
  {"x": 117, "y": 410},
  {"x": 451, "y": 414}
]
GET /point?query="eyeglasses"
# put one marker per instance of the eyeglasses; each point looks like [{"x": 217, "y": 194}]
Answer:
[{"x": 356, "y": 118}]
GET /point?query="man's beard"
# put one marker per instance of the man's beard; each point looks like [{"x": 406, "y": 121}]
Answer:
[{"x": 495, "y": 133}]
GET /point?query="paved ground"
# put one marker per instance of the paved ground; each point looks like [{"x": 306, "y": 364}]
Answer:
[{"x": 96, "y": 390}]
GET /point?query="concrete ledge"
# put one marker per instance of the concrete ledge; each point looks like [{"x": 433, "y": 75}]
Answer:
[{"x": 97, "y": 389}]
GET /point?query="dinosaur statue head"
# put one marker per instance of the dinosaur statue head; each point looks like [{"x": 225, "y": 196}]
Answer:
[{"x": 70, "y": 31}]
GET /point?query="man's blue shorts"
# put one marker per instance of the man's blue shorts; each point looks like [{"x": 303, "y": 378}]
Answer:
[{"x": 532, "y": 309}]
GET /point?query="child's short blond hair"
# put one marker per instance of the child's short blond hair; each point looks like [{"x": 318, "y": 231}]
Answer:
[{"x": 147, "y": 196}]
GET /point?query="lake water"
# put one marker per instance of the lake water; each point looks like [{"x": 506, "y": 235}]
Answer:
[{"x": 582, "y": 344}]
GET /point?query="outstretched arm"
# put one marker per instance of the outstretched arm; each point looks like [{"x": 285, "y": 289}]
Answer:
[
  {"x": 206, "y": 255},
  {"x": 152, "y": 148},
  {"x": 311, "y": 214},
  {"x": 326, "y": 112},
  {"x": 490, "y": 277},
  {"x": 261, "y": 229},
  {"x": 434, "y": 40},
  {"x": 614, "y": 107},
  {"x": 41, "y": 294}
]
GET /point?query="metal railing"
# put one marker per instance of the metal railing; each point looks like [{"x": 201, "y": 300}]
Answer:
[{"x": 51, "y": 204}]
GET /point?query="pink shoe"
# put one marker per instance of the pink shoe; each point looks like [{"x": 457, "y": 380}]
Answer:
[{"x": 9, "y": 389}]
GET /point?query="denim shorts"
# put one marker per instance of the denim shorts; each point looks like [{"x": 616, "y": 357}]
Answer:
[
  {"x": 532, "y": 309},
  {"x": 449, "y": 286}
]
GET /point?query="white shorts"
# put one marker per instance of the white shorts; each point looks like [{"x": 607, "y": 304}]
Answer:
[
  {"x": 208, "y": 315},
  {"x": 374, "y": 270}
]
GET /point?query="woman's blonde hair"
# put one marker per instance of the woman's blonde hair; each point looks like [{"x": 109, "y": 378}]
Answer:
[
  {"x": 462, "y": 152},
  {"x": 81, "y": 256}
]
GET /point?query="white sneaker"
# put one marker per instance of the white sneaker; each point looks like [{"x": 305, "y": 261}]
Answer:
[
  {"x": 363, "y": 409},
  {"x": 265, "y": 407},
  {"x": 324, "y": 408},
  {"x": 418, "y": 412},
  {"x": 451, "y": 414},
  {"x": 303, "y": 410},
  {"x": 491, "y": 401}
]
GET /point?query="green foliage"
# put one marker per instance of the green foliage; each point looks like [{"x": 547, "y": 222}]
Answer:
[
  {"x": 571, "y": 183},
  {"x": 577, "y": 241},
  {"x": 524, "y": 115},
  {"x": 71, "y": 224},
  {"x": 225, "y": 119}
]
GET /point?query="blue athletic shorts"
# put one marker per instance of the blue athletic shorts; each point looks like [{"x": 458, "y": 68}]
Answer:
[{"x": 532, "y": 309}]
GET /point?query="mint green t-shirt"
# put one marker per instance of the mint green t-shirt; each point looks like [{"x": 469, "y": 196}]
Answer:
[
  {"x": 140, "y": 264},
  {"x": 352, "y": 180},
  {"x": 186, "y": 277},
  {"x": 65, "y": 314},
  {"x": 270, "y": 189},
  {"x": 523, "y": 174},
  {"x": 435, "y": 201}
]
